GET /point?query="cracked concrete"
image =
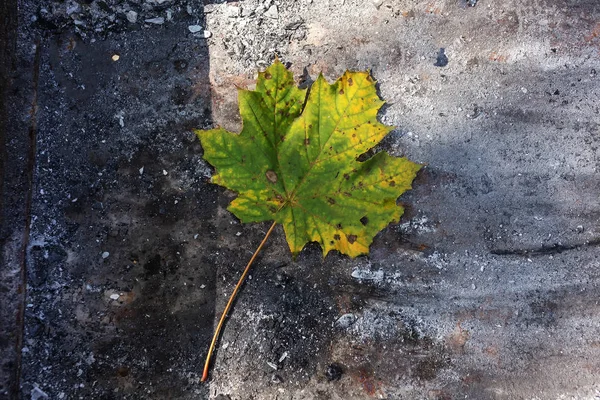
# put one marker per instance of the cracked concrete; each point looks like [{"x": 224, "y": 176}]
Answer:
[{"x": 487, "y": 289}]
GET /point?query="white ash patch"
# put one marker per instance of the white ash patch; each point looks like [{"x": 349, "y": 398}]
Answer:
[{"x": 419, "y": 224}]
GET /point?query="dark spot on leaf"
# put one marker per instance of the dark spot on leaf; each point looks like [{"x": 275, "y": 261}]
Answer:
[
  {"x": 252, "y": 137},
  {"x": 351, "y": 239},
  {"x": 331, "y": 242},
  {"x": 347, "y": 194},
  {"x": 336, "y": 237},
  {"x": 309, "y": 126},
  {"x": 268, "y": 92},
  {"x": 272, "y": 209},
  {"x": 330, "y": 201},
  {"x": 341, "y": 91},
  {"x": 339, "y": 226},
  {"x": 282, "y": 138},
  {"x": 350, "y": 82},
  {"x": 346, "y": 176},
  {"x": 364, "y": 220},
  {"x": 267, "y": 75},
  {"x": 354, "y": 135},
  {"x": 392, "y": 183},
  {"x": 306, "y": 141},
  {"x": 360, "y": 184},
  {"x": 271, "y": 176}
]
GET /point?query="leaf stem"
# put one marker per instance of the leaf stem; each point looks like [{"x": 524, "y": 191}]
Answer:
[{"x": 230, "y": 302}]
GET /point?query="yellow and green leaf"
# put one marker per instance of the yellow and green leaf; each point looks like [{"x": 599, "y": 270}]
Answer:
[{"x": 295, "y": 161}]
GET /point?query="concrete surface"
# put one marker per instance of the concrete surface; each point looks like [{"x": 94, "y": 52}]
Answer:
[{"x": 487, "y": 289}]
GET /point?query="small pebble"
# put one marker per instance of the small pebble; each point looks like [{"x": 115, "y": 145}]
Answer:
[
  {"x": 272, "y": 12},
  {"x": 274, "y": 366},
  {"x": 37, "y": 394},
  {"x": 115, "y": 57},
  {"x": 156, "y": 21},
  {"x": 441, "y": 59},
  {"x": 105, "y": 254},
  {"x": 194, "y": 28},
  {"x": 131, "y": 16},
  {"x": 115, "y": 296},
  {"x": 207, "y": 34}
]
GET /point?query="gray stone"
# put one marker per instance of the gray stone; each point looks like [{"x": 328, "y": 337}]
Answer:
[
  {"x": 156, "y": 21},
  {"x": 272, "y": 12},
  {"x": 131, "y": 16}
]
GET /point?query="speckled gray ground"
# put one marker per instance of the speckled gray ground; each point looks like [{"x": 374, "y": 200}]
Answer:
[{"x": 487, "y": 289}]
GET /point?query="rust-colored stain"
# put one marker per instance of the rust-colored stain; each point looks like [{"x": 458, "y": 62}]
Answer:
[
  {"x": 368, "y": 382},
  {"x": 457, "y": 340},
  {"x": 433, "y": 8},
  {"x": 491, "y": 351},
  {"x": 438, "y": 394},
  {"x": 593, "y": 34},
  {"x": 495, "y": 56}
]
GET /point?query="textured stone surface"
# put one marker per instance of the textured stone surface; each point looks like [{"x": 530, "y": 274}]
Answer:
[{"x": 487, "y": 289}]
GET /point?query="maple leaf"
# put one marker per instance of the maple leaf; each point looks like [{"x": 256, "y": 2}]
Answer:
[{"x": 295, "y": 161}]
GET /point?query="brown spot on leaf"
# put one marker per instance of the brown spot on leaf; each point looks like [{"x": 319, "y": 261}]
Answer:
[
  {"x": 330, "y": 201},
  {"x": 267, "y": 75},
  {"x": 350, "y": 82},
  {"x": 282, "y": 137},
  {"x": 336, "y": 237},
  {"x": 272, "y": 209},
  {"x": 271, "y": 176},
  {"x": 341, "y": 91},
  {"x": 347, "y": 194},
  {"x": 339, "y": 226},
  {"x": 364, "y": 220},
  {"x": 351, "y": 239},
  {"x": 268, "y": 92},
  {"x": 346, "y": 176},
  {"x": 392, "y": 183},
  {"x": 306, "y": 141}
]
